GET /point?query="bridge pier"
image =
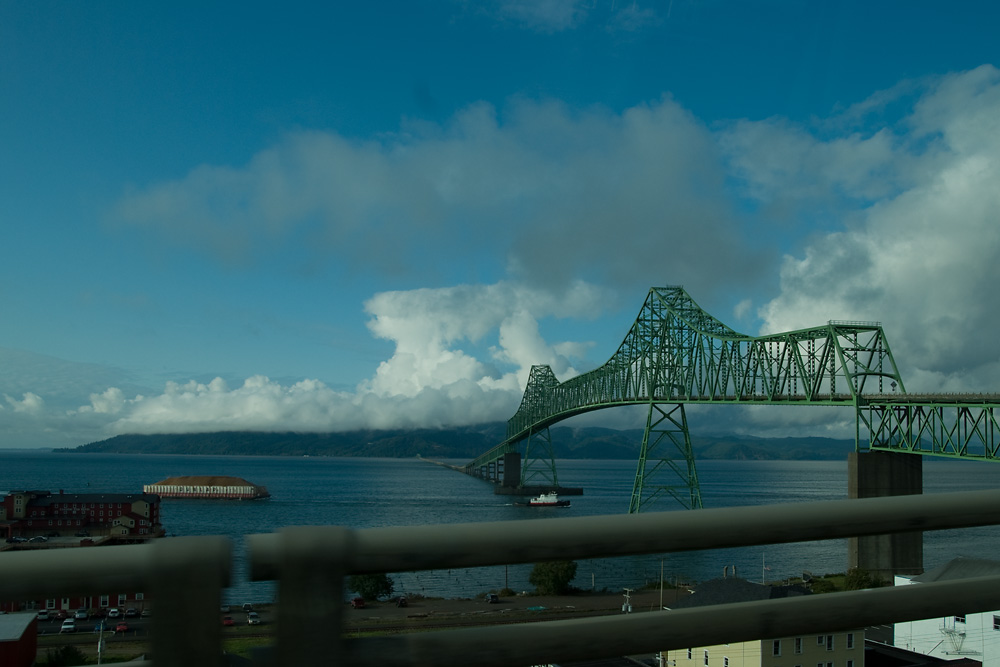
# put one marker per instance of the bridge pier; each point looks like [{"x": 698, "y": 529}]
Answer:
[
  {"x": 511, "y": 470},
  {"x": 875, "y": 474}
]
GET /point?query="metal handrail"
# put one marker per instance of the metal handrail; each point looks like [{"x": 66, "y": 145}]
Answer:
[{"x": 311, "y": 562}]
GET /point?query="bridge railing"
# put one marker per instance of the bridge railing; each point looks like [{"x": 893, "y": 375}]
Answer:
[
  {"x": 310, "y": 563},
  {"x": 182, "y": 576},
  {"x": 185, "y": 577}
]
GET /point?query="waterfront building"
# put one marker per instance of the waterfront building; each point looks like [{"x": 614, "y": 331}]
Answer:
[
  {"x": 833, "y": 649},
  {"x": 960, "y": 636},
  {"x": 34, "y": 520},
  {"x": 118, "y": 516}
]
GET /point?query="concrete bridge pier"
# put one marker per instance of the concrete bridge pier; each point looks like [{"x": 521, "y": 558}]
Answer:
[
  {"x": 877, "y": 474},
  {"x": 511, "y": 470}
]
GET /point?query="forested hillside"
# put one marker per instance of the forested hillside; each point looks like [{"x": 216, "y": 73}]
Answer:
[{"x": 459, "y": 443}]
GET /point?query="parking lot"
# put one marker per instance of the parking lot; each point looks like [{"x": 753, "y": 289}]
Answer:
[{"x": 111, "y": 621}]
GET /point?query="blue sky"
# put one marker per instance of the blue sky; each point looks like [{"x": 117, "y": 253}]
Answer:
[{"x": 331, "y": 216}]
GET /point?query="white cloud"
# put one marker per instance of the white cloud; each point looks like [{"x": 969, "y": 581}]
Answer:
[
  {"x": 30, "y": 403},
  {"x": 430, "y": 380},
  {"x": 545, "y": 193},
  {"x": 426, "y": 325},
  {"x": 923, "y": 260},
  {"x": 543, "y": 15}
]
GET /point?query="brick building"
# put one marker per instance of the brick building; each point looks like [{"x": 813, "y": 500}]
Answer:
[
  {"x": 27, "y": 514},
  {"x": 31, "y": 520}
]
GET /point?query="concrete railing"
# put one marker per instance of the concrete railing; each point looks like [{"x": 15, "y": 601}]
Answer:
[
  {"x": 185, "y": 577},
  {"x": 310, "y": 563}
]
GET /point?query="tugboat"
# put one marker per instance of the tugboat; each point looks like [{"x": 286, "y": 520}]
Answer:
[{"x": 545, "y": 500}]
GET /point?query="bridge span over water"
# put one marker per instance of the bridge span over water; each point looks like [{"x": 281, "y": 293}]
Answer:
[{"x": 677, "y": 354}]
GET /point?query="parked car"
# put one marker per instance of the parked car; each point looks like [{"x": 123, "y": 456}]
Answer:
[
  {"x": 228, "y": 620},
  {"x": 69, "y": 625},
  {"x": 39, "y": 538},
  {"x": 247, "y": 606},
  {"x": 253, "y": 618},
  {"x": 358, "y": 603},
  {"x": 81, "y": 615},
  {"x": 114, "y": 613},
  {"x": 43, "y": 614},
  {"x": 401, "y": 601},
  {"x": 131, "y": 613},
  {"x": 121, "y": 627},
  {"x": 492, "y": 598}
]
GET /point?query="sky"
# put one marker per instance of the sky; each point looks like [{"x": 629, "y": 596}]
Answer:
[{"x": 336, "y": 216}]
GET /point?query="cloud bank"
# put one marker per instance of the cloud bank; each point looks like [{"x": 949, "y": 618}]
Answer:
[{"x": 593, "y": 205}]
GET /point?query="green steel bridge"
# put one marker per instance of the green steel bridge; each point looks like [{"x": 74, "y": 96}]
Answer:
[{"x": 677, "y": 354}]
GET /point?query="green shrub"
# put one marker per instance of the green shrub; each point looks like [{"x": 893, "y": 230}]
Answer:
[
  {"x": 371, "y": 586},
  {"x": 553, "y": 577}
]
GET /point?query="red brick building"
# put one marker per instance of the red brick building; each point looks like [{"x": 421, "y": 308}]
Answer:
[
  {"x": 27, "y": 514},
  {"x": 31, "y": 520}
]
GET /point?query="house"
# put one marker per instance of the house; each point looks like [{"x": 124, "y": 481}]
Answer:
[
  {"x": 835, "y": 649},
  {"x": 975, "y": 636}
]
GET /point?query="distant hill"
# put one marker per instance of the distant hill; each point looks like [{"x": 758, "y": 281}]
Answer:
[{"x": 460, "y": 443}]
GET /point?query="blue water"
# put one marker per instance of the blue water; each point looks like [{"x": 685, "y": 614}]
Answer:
[{"x": 363, "y": 493}]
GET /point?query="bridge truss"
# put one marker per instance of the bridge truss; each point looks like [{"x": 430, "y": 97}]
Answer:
[{"x": 676, "y": 354}]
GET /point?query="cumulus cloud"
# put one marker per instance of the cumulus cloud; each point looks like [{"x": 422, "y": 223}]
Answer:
[
  {"x": 429, "y": 381},
  {"x": 923, "y": 255},
  {"x": 538, "y": 191},
  {"x": 29, "y": 403}
]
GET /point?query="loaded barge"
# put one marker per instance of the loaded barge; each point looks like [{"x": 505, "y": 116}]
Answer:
[{"x": 207, "y": 486}]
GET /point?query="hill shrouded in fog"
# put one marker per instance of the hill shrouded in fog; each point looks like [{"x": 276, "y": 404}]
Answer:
[{"x": 460, "y": 443}]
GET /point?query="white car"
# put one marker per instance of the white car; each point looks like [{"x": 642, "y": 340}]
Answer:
[
  {"x": 69, "y": 625},
  {"x": 114, "y": 613},
  {"x": 43, "y": 614},
  {"x": 253, "y": 618}
]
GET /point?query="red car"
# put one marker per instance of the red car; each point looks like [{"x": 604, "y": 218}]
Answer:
[
  {"x": 121, "y": 627},
  {"x": 358, "y": 603},
  {"x": 228, "y": 620}
]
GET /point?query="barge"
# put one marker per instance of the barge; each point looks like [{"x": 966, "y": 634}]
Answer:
[{"x": 207, "y": 486}]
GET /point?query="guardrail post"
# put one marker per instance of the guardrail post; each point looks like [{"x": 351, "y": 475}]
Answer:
[
  {"x": 312, "y": 564},
  {"x": 186, "y": 578}
]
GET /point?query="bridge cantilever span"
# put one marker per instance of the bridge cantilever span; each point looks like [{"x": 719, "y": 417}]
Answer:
[{"x": 676, "y": 353}]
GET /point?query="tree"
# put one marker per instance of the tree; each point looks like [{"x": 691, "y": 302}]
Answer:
[
  {"x": 67, "y": 655},
  {"x": 858, "y": 579},
  {"x": 553, "y": 577},
  {"x": 371, "y": 586}
]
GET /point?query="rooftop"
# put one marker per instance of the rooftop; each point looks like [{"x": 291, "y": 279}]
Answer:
[{"x": 12, "y": 626}]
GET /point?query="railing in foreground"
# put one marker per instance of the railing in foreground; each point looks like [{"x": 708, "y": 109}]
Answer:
[{"x": 186, "y": 576}]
